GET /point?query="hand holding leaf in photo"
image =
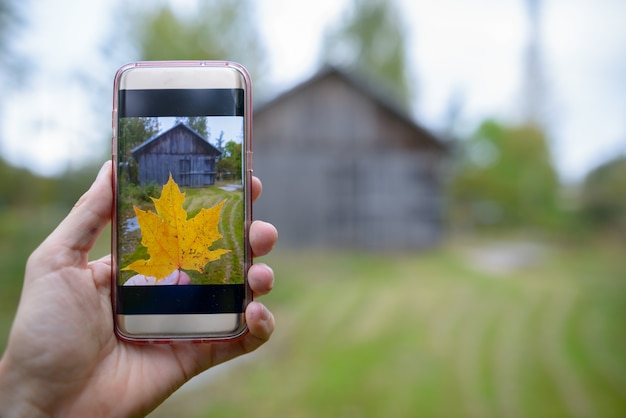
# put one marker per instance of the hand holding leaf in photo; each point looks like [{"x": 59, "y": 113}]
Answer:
[
  {"x": 176, "y": 277},
  {"x": 173, "y": 241}
]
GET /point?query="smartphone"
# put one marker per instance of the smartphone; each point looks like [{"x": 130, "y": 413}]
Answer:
[{"x": 182, "y": 154}]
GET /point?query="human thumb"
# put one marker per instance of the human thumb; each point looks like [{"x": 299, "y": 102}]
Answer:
[{"x": 70, "y": 242}]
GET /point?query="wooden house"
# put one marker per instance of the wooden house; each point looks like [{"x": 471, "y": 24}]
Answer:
[
  {"x": 342, "y": 167},
  {"x": 181, "y": 151}
]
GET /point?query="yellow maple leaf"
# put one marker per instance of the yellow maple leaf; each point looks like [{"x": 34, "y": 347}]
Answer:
[{"x": 173, "y": 241}]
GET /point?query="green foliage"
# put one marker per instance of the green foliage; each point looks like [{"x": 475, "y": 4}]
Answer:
[
  {"x": 505, "y": 178},
  {"x": 132, "y": 193},
  {"x": 133, "y": 132},
  {"x": 230, "y": 165},
  {"x": 11, "y": 21},
  {"x": 20, "y": 188},
  {"x": 604, "y": 196},
  {"x": 218, "y": 30},
  {"x": 197, "y": 123},
  {"x": 371, "y": 38}
]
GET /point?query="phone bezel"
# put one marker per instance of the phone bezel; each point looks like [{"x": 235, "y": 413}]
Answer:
[{"x": 163, "y": 75}]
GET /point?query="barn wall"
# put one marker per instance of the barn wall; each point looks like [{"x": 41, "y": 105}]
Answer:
[
  {"x": 377, "y": 202},
  {"x": 177, "y": 141},
  {"x": 329, "y": 115},
  {"x": 180, "y": 153},
  {"x": 187, "y": 171},
  {"x": 339, "y": 170}
]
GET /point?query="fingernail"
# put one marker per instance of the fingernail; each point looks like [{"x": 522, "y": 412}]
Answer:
[
  {"x": 266, "y": 267},
  {"x": 103, "y": 169},
  {"x": 265, "y": 313}
]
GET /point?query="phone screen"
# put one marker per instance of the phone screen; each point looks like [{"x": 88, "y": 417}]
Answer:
[{"x": 180, "y": 202}]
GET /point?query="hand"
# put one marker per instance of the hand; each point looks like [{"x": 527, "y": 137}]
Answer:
[
  {"x": 175, "y": 277},
  {"x": 63, "y": 359}
]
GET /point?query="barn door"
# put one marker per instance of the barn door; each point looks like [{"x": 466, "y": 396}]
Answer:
[
  {"x": 184, "y": 171},
  {"x": 342, "y": 185}
]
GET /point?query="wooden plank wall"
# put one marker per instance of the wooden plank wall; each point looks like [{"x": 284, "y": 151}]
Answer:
[
  {"x": 166, "y": 155},
  {"x": 339, "y": 171}
]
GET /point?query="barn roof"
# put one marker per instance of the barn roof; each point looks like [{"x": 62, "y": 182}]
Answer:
[
  {"x": 369, "y": 89},
  {"x": 204, "y": 143}
]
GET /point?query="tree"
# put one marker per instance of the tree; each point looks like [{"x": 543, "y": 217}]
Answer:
[
  {"x": 10, "y": 20},
  {"x": 505, "y": 177},
  {"x": 14, "y": 69},
  {"x": 197, "y": 123},
  {"x": 603, "y": 198},
  {"x": 133, "y": 132},
  {"x": 218, "y": 30},
  {"x": 230, "y": 165},
  {"x": 371, "y": 37},
  {"x": 219, "y": 142}
]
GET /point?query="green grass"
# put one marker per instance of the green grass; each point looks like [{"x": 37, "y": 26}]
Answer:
[
  {"x": 231, "y": 226},
  {"x": 365, "y": 335},
  {"x": 428, "y": 335}
]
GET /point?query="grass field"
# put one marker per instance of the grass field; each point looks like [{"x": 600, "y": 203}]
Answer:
[
  {"x": 231, "y": 226},
  {"x": 428, "y": 335},
  {"x": 432, "y": 335}
]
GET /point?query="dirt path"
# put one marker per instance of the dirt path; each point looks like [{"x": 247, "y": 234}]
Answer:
[
  {"x": 505, "y": 257},
  {"x": 231, "y": 220}
]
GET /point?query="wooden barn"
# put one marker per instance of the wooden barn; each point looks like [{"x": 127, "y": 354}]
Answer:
[
  {"x": 181, "y": 151},
  {"x": 342, "y": 167}
]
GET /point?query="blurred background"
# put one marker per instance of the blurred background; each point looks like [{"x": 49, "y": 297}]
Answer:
[{"x": 448, "y": 179}]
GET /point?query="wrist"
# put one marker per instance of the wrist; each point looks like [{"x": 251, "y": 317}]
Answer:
[{"x": 18, "y": 397}]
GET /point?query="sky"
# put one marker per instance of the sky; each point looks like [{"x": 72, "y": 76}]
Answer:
[{"x": 468, "y": 52}]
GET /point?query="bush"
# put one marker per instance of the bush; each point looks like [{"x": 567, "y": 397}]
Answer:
[
  {"x": 603, "y": 201},
  {"x": 133, "y": 194}
]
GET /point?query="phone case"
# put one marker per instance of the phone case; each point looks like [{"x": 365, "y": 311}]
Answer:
[{"x": 182, "y": 152}]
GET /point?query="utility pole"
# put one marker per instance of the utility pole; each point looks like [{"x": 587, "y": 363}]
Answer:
[{"x": 534, "y": 84}]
